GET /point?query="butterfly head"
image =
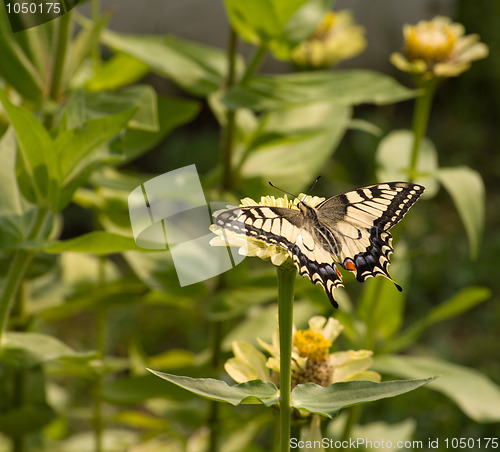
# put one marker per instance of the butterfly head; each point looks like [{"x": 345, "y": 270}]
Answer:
[{"x": 308, "y": 211}]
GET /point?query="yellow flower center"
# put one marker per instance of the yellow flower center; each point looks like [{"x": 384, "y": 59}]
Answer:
[
  {"x": 323, "y": 29},
  {"x": 429, "y": 41},
  {"x": 311, "y": 345}
]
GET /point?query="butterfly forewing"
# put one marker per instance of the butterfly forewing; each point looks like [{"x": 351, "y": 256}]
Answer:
[{"x": 350, "y": 228}]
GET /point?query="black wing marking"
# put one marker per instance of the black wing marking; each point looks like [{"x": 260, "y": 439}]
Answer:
[
  {"x": 272, "y": 225},
  {"x": 318, "y": 269}
]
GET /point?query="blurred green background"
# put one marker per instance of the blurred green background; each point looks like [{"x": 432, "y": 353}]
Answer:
[{"x": 128, "y": 307}]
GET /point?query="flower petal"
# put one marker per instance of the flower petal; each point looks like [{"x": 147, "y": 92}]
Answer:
[
  {"x": 350, "y": 363},
  {"x": 248, "y": 363}
]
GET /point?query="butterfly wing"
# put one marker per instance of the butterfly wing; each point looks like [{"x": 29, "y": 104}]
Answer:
[
  {"x": 288, "y": 229},
  {"x": 355, "y": 225}
]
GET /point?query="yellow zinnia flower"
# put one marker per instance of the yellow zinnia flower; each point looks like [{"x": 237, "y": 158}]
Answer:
[
  {"x": 438, "y": 48},
  {"x": 311, "y": 360},
  {"x": 336, "y": 38}
]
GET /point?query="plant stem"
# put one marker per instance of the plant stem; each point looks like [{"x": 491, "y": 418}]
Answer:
[
  {"x": 420, "y": 120},
  {"x": 253, "y": 64},
  {"x": 60, "y": 56},
  {"x": 20, "y": 377},
  {"x": 213, "y": 418},
  {"x": 95, "y": 8},
  {"x": 372, "y": 324},
  {"x": 56, "y": 76},
  {"x": 17, "y": 270},
  {"x": 101, "y": 324},
  {"x": 286, "y": 283},
  {"x": 352, "y": 419},
  {"x": 229, "y": 129}
]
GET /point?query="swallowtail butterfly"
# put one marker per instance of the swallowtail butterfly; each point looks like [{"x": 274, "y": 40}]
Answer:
[{"x": 350, "y": 229}]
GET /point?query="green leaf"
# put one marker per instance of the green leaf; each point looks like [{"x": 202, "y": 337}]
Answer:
[
  {"x": 157, "y": 271},
  {"x": 172, "y": 113},
  {"x": 459, "y": 303},
  {"x": 250, "y": 392},
  {"x": 80, "y": 64},
  {"x": 397, "y": 434},
  {"x": 476, "y": 395},
  {"x": 15, "y": 213},
  {"x": 26, "y": 419},
  {"x": 230, "y": 303},
  {"x": 328, "y": 400},
  {"x": 275, "y": 23},
  {"x": 27, "y": 350},
  {"x": 39, "y": 178},
  {"x": 466, "y": 188},
  {"x": 382, "y": 307},
  {"x": 113, "y": 440},
  {"x": 79, "y": 151},
  {"x": 346, "y": 87},
  {"x": 17, "y": 68},
  {"x": 141, "y": 98},
  {"x": 393, "y": 158},
  {"x": 73, "y": 114},
  {"x": 137, "y": 389},
  {"x": 97, "y": 242},
  {"x": 197, "y": 68},
  {"x": 119, "y": 71},
  {"x": 260, "y": 21},
  {"x": 287, "y": 135}
]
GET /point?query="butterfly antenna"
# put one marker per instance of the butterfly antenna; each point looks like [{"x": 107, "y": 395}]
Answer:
[
  {"x": 284, "y": 191},
  {"x": 314, "y": 184}
]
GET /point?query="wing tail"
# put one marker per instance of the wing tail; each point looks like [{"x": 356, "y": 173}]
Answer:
[{"x": 323, "y": 273}]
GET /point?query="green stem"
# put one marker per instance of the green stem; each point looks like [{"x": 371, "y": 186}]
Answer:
[
  {"x": 229, "y": 129},
  {"x": 60, "y": 56},
  {"x": 17, "y": 270},
  {"x": 421, "y": 113},
  {"x": 286, "y": 283},
  {"x": 101, "y": 324},
  {"x": 19, "y": 381},
  {"x": 95, "y": 8},
  {"x": 372, "y": 324},
  {"x": 352, "y": 419},
  {"x": 253, "y": 64},
  {"x": 213, "y": 418},
  {"x": 61, "y": 47}
]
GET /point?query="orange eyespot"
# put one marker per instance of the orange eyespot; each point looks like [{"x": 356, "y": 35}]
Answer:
[{"x": 349, "y": 265}]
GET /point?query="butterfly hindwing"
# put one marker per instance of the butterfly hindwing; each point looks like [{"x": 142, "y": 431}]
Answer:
[{"x": 361, "y": 219}]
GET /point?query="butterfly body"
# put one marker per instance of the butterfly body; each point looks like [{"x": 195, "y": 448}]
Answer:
[{"x": 350, "y": 229}]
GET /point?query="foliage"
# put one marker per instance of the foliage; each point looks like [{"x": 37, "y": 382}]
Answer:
[{"x": 84, "y": 312}]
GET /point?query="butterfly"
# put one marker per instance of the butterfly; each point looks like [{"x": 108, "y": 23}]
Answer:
[{"x": 350, "y": 229}]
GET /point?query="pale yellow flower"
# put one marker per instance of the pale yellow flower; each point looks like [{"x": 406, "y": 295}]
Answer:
[
  {"x": 336, "y": 38},
  {"x": 311, "y": 361},
  {"x": 438, "y": 48},
  {"x": 250, "y": 246}
]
